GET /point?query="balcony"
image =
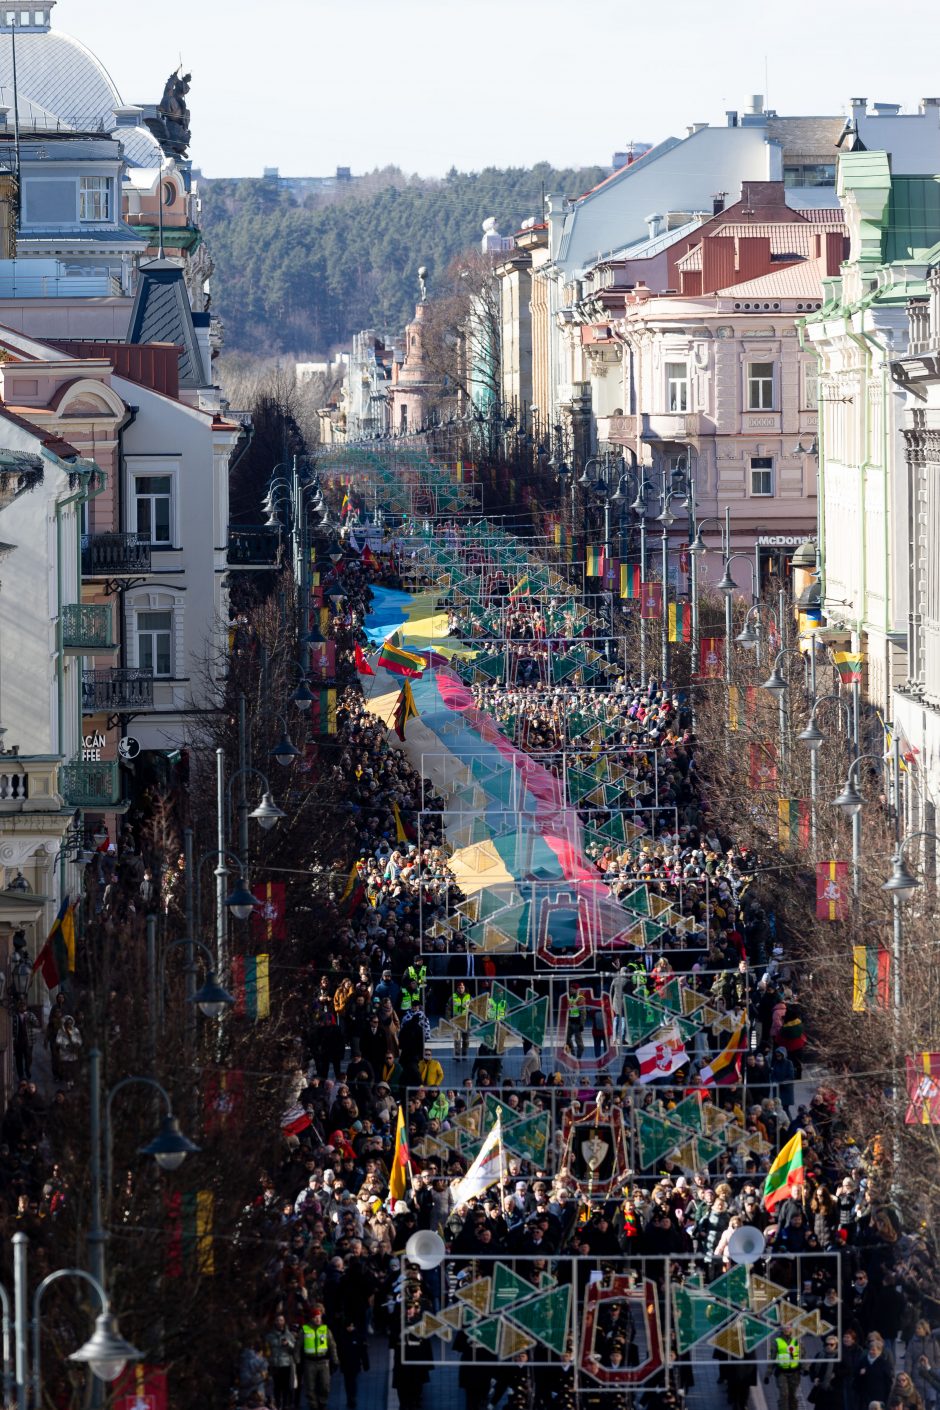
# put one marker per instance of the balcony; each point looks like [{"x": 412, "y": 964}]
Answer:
[
  {"x": 87, "y": 628},
  {"x": 113, "y": 555},
  {"x": 118, "y": 690},
  {"x": 253, "y": 546},
  {"x": 86, "y": 785},
  {"x": 29, "y": 783}
]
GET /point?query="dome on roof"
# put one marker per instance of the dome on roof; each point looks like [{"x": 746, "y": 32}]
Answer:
[{"x": 62, "y": 84}]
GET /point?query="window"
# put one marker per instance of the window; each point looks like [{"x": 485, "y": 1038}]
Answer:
[
  {"x": 154, "y": 637},
  {"x": 762, "y": 475},
  {"x": 677, "y": 386},
  {"x": 809, "y": 174},
  {"x": 760, "y": 386},
  {"x": 811, "y": 386},
  {"x": 154, "y": 499},
  {"x": 94, "y": 198}
]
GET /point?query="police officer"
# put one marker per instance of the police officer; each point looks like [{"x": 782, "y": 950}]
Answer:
[
  {"x": 319, "y": 1358},
  {"x": 786, "y": 1348},
  {"x": 457, "y": 1008}
]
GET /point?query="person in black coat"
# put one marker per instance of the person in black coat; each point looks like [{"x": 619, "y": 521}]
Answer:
[{"x": 875, "y": 1375}]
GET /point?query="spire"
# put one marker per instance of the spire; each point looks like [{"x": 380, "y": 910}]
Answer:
[{"x": 162, "y": 315}]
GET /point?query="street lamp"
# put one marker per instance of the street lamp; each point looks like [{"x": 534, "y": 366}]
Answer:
[
  {"x": 267, "y": 813},
  {"x": 169, "y": 1147},
  {"x": 240, "y": 901},
  {"x": 776, "y": 683},
  {"x": 747, "y": 637},
  {"x": 211, "y": 998},
  {"x": 285, "y": 751},
  {"x": 106, "y": 1352}
]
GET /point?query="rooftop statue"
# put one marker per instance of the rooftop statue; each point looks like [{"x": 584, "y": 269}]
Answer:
[{"x": 174, "y": 114}]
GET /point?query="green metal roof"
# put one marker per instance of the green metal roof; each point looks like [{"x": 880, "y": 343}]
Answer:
[{"x": 913, "y": 225}]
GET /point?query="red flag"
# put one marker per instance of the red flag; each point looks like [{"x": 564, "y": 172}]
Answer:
[
  {"x": 141, "y": 1387},
  {"x": 923, "y": 1089},
  {"x": 269, "y": 920},
  {"x": 225, "y": 1091},
  {"x": 369, "y": 558},
  {"x": 362, "y": 665},
  {"x": 651, "y": 601},
  {"x": 711, "y": 653},
  {"x": 832, "y": 892},
  {"x": 763, "y": 767}
]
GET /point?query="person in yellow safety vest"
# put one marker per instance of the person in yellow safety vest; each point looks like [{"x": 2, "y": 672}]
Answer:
[
  {"x": 412, "y": 986},
  {"x": 457, "y": 1008},
  {"x": 575, "y": 1035},
  {"x": 318, "y": 1350},
  {"x": 786, "y": 1354},
  {"x": 495, "y": 1008}
]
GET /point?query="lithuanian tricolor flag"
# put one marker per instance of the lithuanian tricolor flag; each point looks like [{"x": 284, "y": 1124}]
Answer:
[
  {"x": 594, "y": 562},
  {"x": 252, "y": 989},
  {"x": 523, "y": 587},
  {"x": 793, "y": 822},
  {"x": 680, "y": 621},
  {"x": 190, "y": 1218},
  {"x": 630, "y": 580},
  {"x": 871, "y": 978},
  {"x": 397, "y": 1178},
  {"x": 849, "y": 665},
  {"x": 405, "y": 709},
  {"x": 786, "y": 1175},
  {"x": 399, "y": 662}
]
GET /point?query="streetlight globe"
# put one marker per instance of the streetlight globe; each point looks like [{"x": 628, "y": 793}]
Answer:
[
  {"x": 267, "y": 812},
  {"x": 169, "y": 1147},
  {"x": 775, "y": 683},
  {"x": 902, "y": 882},
  {"x": 303, "y": 696},
  {"x": 812, "y": 736},
  {"x": 698, "y": 546},
  {"x": 212, "y": 1000},
  {"x": 285, "y": 752},
  {"x": 727, "y": 585},
  {"x": 849, "y": 800},
  {"x": 106, "y": 1352},
  {"x": 747, "y": 637},
  {"x": 241, "y": 902},
  {"x": 666, "y": 517}
]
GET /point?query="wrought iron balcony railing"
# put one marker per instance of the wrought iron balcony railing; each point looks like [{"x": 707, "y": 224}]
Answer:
[{"x": 117, "y": 690}]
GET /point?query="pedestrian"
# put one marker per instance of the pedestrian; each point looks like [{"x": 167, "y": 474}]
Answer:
[
  {"x": 320, "y": 1358},
  {"x": 23, "y": 1023},
  {"x": 283, "y": 1348},
  {"x": 575, "y": 1034},
  {"x": 924, "y": 1345},
  {"x": 786, "y": 1353},
  {"x": 826, "y": 1393},
  {"x": 69, "y": 1047},
  {"x": 875, "y": 1375}
]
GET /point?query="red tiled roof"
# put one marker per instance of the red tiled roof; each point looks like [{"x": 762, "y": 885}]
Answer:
[{"x": 788, "y": 240}]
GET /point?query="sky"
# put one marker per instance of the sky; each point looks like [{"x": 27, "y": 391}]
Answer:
[{"x": 309, "y": 85}]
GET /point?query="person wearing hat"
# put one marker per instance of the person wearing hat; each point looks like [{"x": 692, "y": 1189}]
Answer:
[{"x": 319, "y": 1358}]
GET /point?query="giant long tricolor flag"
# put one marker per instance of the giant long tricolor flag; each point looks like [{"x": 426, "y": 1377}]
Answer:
[
  {"x": 832, "y": 895},
  {"x": 485, "y": 1169},
  {"x": 923, "y": 1089},
  {"x": 663, "y": 1056},
  {"x": 399, "y": 662},
  {"x": 725, "y": 1069},
  {"x": 786, "y": 1175},
  {"x": 398, "y": 1175}
]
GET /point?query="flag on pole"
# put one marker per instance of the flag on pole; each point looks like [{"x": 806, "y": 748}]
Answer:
[
  {"x": 786, "y": 1175},
  {"x": 741, "y": 704},
  {"x": 762, "y": 774},
  {"x": 849, "y": 665},
  {"x": 871, "y": 978},
  {"x": 399, "y": 662},
  {"x": 269, "y": 918},
  {"x": 141, "y": 1387},
  {"x": 401, "y": 834},
  {"x": 405, "y": 709},
  {"x": 295, "y": 1120},
  {"x": 832, "y": 900},
  {"x": 368, "y": 557},
  {"x": 190, "y": 1218},
  {"x": 522, "y": 588},
  {"x": 711, "y": 657},
  {"x": 362, "y": 665},
  {"x": 793, "y": 822},
  {"x": 630, "y": 581},
  {"x": 725, "y": 1069},
  {"x": 594, "y": 561},
  {"x": 323, "y": 710},
  {"x": 397, "y": 1179},
  {"x": 252, "y": 989},
  {"x": 225, "y": 1092},
  {"x": 56, "y": 959},
  {"x": 651, "y": 601},
  {"x": 923, "y": 1089},
  {"x": 484, "y": 1171},
  {"x": 663, "y": 1056},
  {"x": 680, "y": 621}
]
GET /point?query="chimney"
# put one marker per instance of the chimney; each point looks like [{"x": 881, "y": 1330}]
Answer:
[
  {"x": 757, "y": 103},
  {"x": 718, "y": 202},
  {"x": 732, "y": 116},
  {"x": 887, "y": 109},
  {"x": 926, "y": 103},
  {"x": 858, "y": 105},
  {"x": 654, "y": 224}
]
